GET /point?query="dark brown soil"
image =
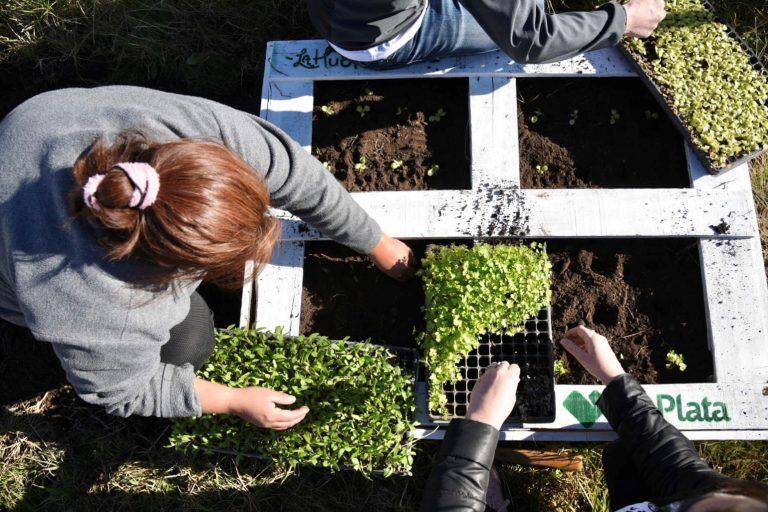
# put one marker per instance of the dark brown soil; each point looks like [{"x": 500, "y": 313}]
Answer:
[
  {"x": 345, "y": 295},
  {"x": 641, "y": 149},
  {"x": 645, "y": 296},
  {"x": 396, "y": 132},
  {"x": 225, "y": 304}
]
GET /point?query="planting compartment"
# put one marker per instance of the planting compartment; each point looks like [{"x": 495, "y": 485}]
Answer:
[{"x": 716, "y": 214}]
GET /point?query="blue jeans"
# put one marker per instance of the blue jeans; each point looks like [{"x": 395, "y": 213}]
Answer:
[{"x": 447, "y": 30}]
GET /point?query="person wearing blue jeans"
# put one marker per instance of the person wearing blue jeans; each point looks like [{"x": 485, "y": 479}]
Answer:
[{"x": 393, "y": 33}]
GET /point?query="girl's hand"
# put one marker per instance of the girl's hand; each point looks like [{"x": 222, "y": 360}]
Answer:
[
  {"x": 494, "y": 395},
  {"x": 260, "y": 407},
  {"x": 593, "y": 352},
  {"x": 394, "y": 258}
]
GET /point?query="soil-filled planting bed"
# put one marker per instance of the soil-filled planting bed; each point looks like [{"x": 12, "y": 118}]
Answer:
[
  {"x": 225, "y": 304},
  {"x": 345, "y": 295},
  {"x": 645, "y": 296},
  {"x": 393, "y": 134},
  {"x": 620, "y": 137}
]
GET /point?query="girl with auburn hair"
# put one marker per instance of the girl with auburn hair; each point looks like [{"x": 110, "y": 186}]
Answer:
[{"x": 116, "y": 202}]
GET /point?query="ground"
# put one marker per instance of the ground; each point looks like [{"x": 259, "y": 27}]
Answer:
[{"x": 56, "y": 453}]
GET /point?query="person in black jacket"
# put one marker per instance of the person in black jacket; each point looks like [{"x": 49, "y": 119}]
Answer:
[
  {"x": 652, "y": 466},
  {"x": 393, "y": 33}
]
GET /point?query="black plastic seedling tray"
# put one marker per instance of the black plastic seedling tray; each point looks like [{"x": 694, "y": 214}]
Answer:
[
  {"x": 531, "y": 349},
  {"x": 672, "y": 114}
]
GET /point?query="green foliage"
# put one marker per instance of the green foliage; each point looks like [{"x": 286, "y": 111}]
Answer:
[
  {"x": 676, "y": 360},
  {"x": 473, "y": 291},
  {"x": 437, "y": 116},
  {"x": 433, "y": 170},
  {"x": 708, "y": 81},
  {"x": 359, "y": 402},
  {"x": 361, "y": 164},
  {"x": 541, "y": 169},
  {"x": 396, "y": 164},
  {"x": 328, "y": 110},
  {"x": 362, "y": 110},
  {"x": 560, "y": 368}
]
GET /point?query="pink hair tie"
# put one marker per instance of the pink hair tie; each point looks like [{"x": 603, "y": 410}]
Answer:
[
  {"x": 89, "y": 191},
  {"x": 146, "y": 183}
]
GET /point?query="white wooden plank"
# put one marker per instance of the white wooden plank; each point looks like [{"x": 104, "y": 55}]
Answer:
[
  {"x": 278, "y": 289},
  {"x": 246, "y": 299},
  {"x": 552, "y": 213},
  {"x": 689, "y": 407},
  {"x": 288, "y": 105},
  {"x": 495, "y": 145},
  {"x": 315, "y": 60},
  {"x": 595, "y": 437},
  {"x": 735, "y": 290}
]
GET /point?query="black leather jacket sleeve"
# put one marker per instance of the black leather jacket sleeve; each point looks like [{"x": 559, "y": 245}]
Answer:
[
  {"x": 665, "y": 459},
  {"x": 459, "y": 480}
]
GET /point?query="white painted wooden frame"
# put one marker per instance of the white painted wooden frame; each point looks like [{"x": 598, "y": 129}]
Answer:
[{"x": 736, "y": 296}]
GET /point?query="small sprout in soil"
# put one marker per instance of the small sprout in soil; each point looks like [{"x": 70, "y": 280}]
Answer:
[
  {"x": 560, "y": 368},
  {"x": 396, "y": 165},
  {"x": 615, "y": 116},
  {"x": 361, "y": 164},
  {"x": 574, "y": 118},
  {"x": 328, "y": 110},
  {"x": 401, "y": 110},
  {"x": 433, "y": 170},
  {"x": 367, "y": 92},
  {"x": 651, "y": 115},
  {"x": 541, "y": 169},
  {"x": 437, "y": 116},
  {"x": 327, "y": 166},
  {"x": 536, "y": 116},
  {"x": 675, "y": 360},
  {"x": 362, "y": 110}
]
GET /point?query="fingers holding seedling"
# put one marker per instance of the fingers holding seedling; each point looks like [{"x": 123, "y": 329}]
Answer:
[{"x": 593, "y": 352}]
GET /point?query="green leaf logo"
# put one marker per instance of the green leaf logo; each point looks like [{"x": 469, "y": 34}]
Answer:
[{"x": 582, "y": 409}]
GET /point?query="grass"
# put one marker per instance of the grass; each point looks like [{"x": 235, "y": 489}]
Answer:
[{"x": 57, "y": 453}]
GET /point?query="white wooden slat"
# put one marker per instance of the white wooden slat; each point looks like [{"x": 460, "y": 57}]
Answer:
[
  {"x": 689, "y": 407},
  {"x": 288, "y": 105},
  {"x": 315, "y": 60},
  {"x": 735, "y": 289},
  {"x": 598, "y": 437},
  {"x": 278, "y": 289},
  {"x": 246, "y": 298},
  {"x": 552, "y": 213},
  {"x": 495, "y": 145}
]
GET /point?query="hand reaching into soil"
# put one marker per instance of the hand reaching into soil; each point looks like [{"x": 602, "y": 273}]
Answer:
[
  {"x": 643, "y": 16},
  {"x": 394, "y": 258},
  {"x": 593, "y": 352},
  {"x": 493, "y": 396}
]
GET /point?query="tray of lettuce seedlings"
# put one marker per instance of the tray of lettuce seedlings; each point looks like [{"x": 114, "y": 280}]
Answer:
[
  {"x": 360, "y": 396},
  {"x": 485, "y": 304},
  {"x": 709, "y": 81}
]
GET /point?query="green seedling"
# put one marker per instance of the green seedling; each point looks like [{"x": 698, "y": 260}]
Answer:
[
  {"x": 396, "y": 164},
  {"x": 574, "y": 118},
  {"x": 651, "y": 115},
  {"x": 707, "y": 80},
  {"x": 361, "y": 164},
  {"x": 362, "y": 110},
  {"x": 615, "y": 116},
  {"x": 536, "y": 116},
  {"x": 360, "y": 402},
  {"x": 560, "y": 368},
  {"x": 328, "y": 110},
  {"x": 401, "y": 110},
  {"x": 676, "y": 360},
  {"x": 432, "y": 171},
  {"x": 473, "y": 291},
  {"x": 368, "y": 92},
  {"x": 327, "y": 166},
  {"x": 541, "y": 169},
  {"x": 437, "y": 116}
]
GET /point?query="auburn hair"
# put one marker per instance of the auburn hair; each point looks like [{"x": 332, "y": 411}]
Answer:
[{"x": 209, "y": 219}]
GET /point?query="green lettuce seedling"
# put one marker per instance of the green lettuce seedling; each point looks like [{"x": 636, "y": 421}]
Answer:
[
  {"x": 474, "y": 291},
  {"x": 360, "y": 402}
]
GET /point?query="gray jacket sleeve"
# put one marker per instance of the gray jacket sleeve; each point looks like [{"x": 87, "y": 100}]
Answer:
[
  {"x": 525, "y": 32},
  {"x": 297, "y": 181}
]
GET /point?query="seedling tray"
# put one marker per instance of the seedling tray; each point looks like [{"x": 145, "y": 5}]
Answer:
[
  {"x": 531, "y": 349},
  {"x": 677, "y": 121}
]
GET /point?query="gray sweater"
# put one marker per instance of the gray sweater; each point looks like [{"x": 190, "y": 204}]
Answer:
[
  {"x": 54, "y": 277},
  {"x": 521, "y": 28}
]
